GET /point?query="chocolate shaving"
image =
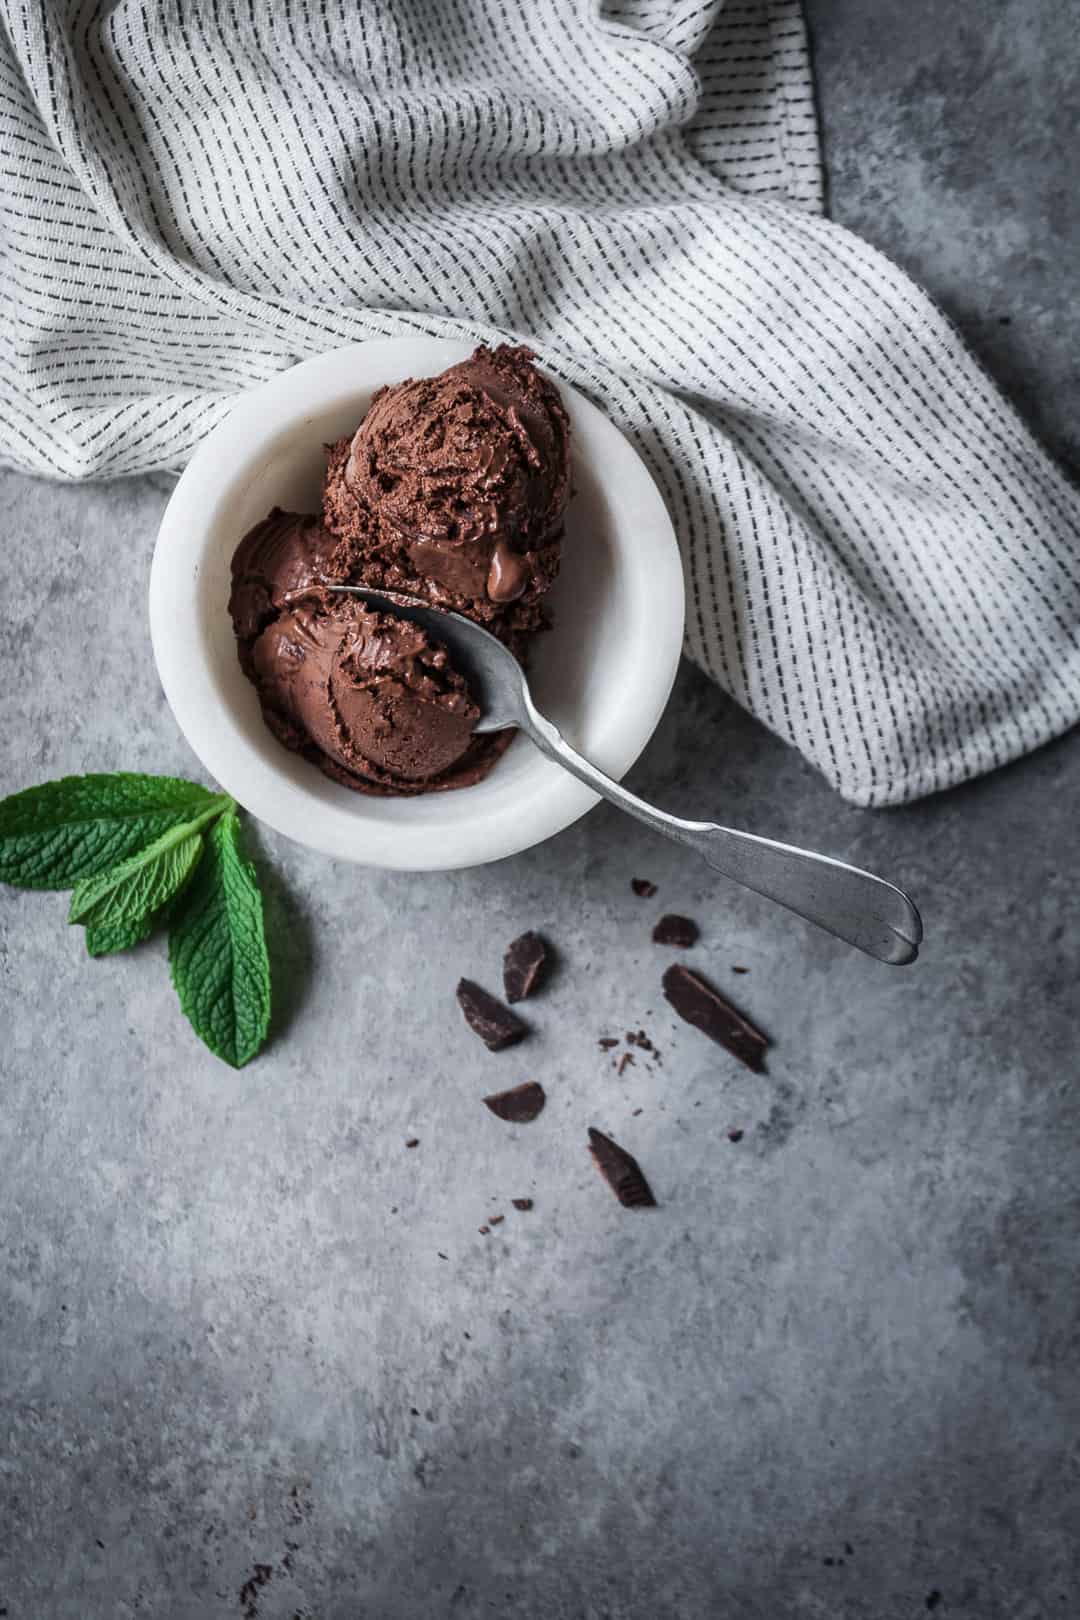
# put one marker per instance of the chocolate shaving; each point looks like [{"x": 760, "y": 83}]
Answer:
[
  {"x": 621, "y": 1171},
  {"x": 682, "y": 932},
  {"x": 694, "y": 999},
  {"x": 625, "y": 1062},
  {"x": 520, "y": 1104},
  {"x": 523, "y": 966},
  {"x": 522, "y": 1203},
  {"x": 643, "y": 888},
  {"x": 495, "y": 1024}
]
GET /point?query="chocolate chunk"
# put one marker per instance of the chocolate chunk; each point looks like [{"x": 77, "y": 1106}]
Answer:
[
  {"x": 495, "y": 1024},
  {"x": 519, "y": 1104},
  {"x": 694, "y": 999},
  {"x": 682, "y": 932},
  {"x": 523, "y": 966},
  {"x": 643, "y": 888},
  {"x": 622, "y": 1173},
  {"x": 638, "y": 1037},
  {"x": 522, "y": 1203}
]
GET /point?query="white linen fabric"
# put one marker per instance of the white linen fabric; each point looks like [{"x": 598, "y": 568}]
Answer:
[{"x": 881, "y": 563}]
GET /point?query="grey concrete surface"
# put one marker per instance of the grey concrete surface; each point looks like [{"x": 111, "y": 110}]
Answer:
[{"x": 255, "y": 1356}]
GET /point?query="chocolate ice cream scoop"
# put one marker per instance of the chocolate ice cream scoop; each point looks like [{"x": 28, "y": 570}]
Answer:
[
  {"x": 466, "y": 476},
  {"x": 285, "y": 553},
  {"x": 373, "y": 694}
]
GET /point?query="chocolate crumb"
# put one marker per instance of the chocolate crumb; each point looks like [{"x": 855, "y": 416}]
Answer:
[
  {"x": 607, "y": 1042},
  {"x": 643, "y": 888},
  {"x": 483, "y": 1230},
  {"x": 441, "y": 1255},
  {"x": 260, "y": 1576},
  {"x": 637, "y": 1111},
  {"x": 414, "y": 1141},
  {"x": 522, "y": 1203},
  {"x": 621, "y": 1171},
  {"x": 523, "y": 966},
  {"x": 625, "y": 1062},
  {"x": 496, "y": 1219},
  {"x": 740, "y": 970},
  {"x": 495, "y": 1024},
  {"x": 694, "y": 999},
  {"x": 639, "y": 1038},
  {"x": 682, "y": 932},
  {"x": 520, "y": 1104},
  {"x": 735, "y": 1135}
]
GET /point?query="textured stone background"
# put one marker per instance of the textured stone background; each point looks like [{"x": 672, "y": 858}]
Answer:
[{"x": 834, "y": 1376}]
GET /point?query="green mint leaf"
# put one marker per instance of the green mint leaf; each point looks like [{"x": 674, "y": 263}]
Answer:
[
  {"x": 140, "y": 885},
  {"x": 217, "y": 949},
  {"x": 54, "y": 835},
  {"x": 105, "y": 939},
  {"x": 102, "y": 939}
]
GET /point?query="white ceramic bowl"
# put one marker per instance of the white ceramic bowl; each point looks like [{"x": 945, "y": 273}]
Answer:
[{"x": 603, "y": 674}]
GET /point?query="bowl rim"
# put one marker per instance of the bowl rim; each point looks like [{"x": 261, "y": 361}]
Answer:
[{"x": 216, "y": 735}]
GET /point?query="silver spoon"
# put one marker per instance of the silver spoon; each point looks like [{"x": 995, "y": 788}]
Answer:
[{"x": 854, "y": 905}]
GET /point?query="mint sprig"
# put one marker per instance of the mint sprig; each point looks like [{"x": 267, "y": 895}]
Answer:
[{"x": 137, "y": 849}]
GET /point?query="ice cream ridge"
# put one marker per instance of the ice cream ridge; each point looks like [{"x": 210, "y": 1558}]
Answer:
[{"x": 452, "y": 489}]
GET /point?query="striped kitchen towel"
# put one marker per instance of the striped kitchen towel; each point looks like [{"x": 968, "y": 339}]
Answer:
[{"x": 880, "y": 562}]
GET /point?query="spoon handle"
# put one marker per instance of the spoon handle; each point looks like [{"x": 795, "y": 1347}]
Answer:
[{"x": 864, "y": 910}]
